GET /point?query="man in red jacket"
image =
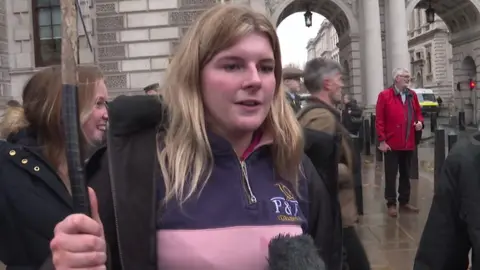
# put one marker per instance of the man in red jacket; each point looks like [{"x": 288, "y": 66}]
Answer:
[{"x": 398, "y": 116}]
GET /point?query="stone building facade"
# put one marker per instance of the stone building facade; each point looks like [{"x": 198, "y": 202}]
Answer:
[
  {"x": 428, "y": 45},
  {"x": 133, "y": 40},
  {"x": 430, "y": 54},
  {"x": 32, "y": 37},
  {"x": 324, "y": 44}
]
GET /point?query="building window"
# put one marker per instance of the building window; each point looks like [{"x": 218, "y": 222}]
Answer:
[
  {"x": 429, "y": 63},
  {"x": 419, "y": 18},
  {"x": 412, "y": 64},
  {"x": 47, "y": 31}
]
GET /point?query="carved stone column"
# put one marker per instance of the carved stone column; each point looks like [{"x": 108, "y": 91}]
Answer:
[
  {"x": 372, "y": 57},
  {"x": 397, "y": 36}
]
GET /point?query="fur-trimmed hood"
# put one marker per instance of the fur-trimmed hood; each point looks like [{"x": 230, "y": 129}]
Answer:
[{"x": 12, "y": 121}]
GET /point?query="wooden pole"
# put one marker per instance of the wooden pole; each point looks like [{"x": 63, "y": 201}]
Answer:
[
  {"x": 69, "y": 41},
  {"x": 70, "y": 109}
]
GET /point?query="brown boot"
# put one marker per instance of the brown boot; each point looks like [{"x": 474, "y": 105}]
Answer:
[
  {"x": 392, "y": 211},
  {"x": 409, "y": 208}
]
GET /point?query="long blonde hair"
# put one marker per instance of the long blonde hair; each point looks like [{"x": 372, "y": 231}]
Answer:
[{"x": 185, "y": 156}]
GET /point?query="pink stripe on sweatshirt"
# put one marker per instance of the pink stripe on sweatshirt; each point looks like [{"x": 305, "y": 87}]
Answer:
[{"x": 232, "y": 248}]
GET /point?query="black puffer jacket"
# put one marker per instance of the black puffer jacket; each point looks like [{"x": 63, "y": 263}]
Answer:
[{"x": 453, "y": 225}]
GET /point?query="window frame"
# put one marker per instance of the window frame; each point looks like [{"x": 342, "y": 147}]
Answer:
[
  {"x": 429, "y": 63},
  {"x": 39, "y": 62}
]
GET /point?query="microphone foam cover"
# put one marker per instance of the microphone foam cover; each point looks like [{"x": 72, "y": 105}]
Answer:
[{"x": 294, "y": 253}]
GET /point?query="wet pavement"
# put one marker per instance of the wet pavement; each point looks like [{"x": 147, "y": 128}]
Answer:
[{"x": 391, "y": 243}]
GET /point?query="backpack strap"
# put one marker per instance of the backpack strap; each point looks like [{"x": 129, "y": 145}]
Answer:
[{"x": 320, "y": 105}]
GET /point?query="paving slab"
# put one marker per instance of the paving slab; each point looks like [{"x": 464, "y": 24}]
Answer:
[{"x": 391, "y": 243}]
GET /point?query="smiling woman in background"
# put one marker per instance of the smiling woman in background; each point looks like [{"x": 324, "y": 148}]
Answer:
[{"x": 34, "y": 184}]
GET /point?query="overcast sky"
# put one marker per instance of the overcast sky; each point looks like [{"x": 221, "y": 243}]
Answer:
[{"x": 294, "y": 36}]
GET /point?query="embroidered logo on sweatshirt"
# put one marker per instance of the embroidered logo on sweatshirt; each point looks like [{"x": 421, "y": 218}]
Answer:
[{"x": 286, "y": 206}]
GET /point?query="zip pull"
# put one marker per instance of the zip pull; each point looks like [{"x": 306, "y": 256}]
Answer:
[{"x": 250, "y": 194}]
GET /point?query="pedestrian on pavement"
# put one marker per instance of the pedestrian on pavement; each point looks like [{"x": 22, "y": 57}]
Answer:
[
  {"x": 352, "y": 115},
  {"x": 34, "y": 184},
  {"x": 323, "y": 80},
  {"x": 398, "y": 124},
  {"x": 211, "y": 186},
  {"x": 451, "y": 230},
  {"x": 292, "y": 82}
]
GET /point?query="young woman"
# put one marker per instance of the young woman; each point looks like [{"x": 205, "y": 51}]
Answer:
[
  {"x": 34, "y": 186},
  {"x": 224, "y": 174}
]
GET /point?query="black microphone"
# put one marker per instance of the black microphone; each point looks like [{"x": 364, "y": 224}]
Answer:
[{"x": 287, "y": 252}]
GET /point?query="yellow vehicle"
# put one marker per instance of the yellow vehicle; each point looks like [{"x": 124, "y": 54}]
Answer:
[{"x": 427, "y": 100}]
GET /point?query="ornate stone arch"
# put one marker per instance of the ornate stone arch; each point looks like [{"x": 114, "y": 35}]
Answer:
[
  {"x": 456, "y": 16},
  {"x": 276, "y": 9}
]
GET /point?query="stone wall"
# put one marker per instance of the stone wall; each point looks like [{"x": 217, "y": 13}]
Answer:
[
  {"x": 442, "y": 67},
  {"x": 5, "y": 86},
  {"x": 21, "y": 57},
  {"x": 136, "y": 38},
  {"x": 350, "y": 52},
  {"x": 436, "y": 42}
]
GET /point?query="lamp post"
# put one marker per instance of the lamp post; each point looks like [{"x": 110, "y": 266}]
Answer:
[
  {"x": 430, "y": 13},
  {"x": 308, "y": 18}
]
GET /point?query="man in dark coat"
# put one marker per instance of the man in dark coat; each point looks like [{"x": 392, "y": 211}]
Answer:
[
  {"x": 351, "y": 115},
  {"x": 451, "y": 231}
]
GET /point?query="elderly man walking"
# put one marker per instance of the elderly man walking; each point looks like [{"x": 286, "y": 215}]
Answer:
[{"x": 398, "y": 121}]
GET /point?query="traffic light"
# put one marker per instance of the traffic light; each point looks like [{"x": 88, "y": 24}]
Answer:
[{"x": 472, "y": 84}]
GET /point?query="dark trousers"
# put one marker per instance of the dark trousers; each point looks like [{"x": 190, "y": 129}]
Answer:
[
  {"x": 356, "y": 257},
  {"x": 397, "y": 161}
]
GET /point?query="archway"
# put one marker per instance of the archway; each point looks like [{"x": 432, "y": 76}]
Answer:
[
  {"x": 335, "y": 11},
  {"x": 458, "y": 15},
  {"x": 469, "y": 67},
  {"x": 466, "y": 99},
  {"x": 461, "y": 18},
  {"x": 342, "y": 17}
]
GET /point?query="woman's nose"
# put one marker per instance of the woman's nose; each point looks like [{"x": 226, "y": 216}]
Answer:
[
  {"x": 105, "y": 115},
  {"x": 253, "y": 79}
]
